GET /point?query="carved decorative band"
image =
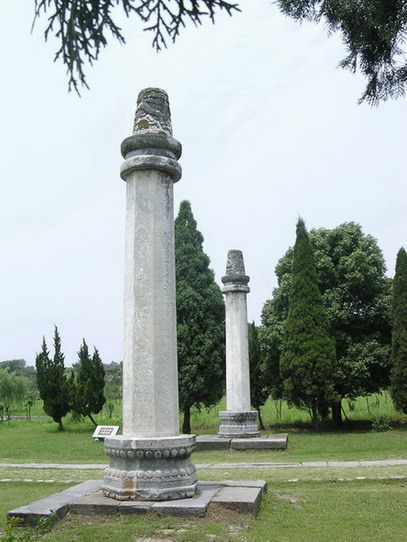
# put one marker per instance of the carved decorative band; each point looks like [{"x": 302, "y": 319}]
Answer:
[
  {"x": 157, "y": 474},
  {"x": 140, "y": 144},
  {"x": 150, "y": 453},
  {"x": 233, "y": 416},
  {"x": 235, "y": 277},
  {"x": 235, "y": 287},
  {"x": 143, "y": 162}
]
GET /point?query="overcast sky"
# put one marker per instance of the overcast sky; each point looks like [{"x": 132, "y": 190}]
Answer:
[{"x": 270, "y": 129}]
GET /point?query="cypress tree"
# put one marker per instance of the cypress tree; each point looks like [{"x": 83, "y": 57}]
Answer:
[
  {"x": 200, "y": 320},
  {"x": 52, "y": 384},
  {"x": 357, "y": 299},
  {"x": 308, "y": 358},
  {"x": 399, "y": 334},
  {"x": 89, "y": 386},
  {"x": 259, "y": 378}
]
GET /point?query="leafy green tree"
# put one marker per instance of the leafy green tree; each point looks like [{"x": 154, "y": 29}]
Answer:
[
  {"x": 13, "y": 365},
  {"x": 88, "y": 396},
  {"x": 52, "y": 383},
  {"x": 399, "y": 334},
  {"x": 259, "y": 374},
  {"x": 274, "y": 314},
  {"x": 308, "y": 351},
  {"x": 356, "y": 295},
  {"x": 113, "y": 380},
  {"x": 13, "y": 389},
  {"x": 200, "y": 319},
  {"x": 20, "y": 368},
  {"x": 372, "y": 30}
]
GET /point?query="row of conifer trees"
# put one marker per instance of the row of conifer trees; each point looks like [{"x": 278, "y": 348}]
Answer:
[{"x": 335, "y": 328}]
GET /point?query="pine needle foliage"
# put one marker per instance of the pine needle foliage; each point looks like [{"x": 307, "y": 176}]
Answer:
[
  {"x": 83, "y": 26},
  {"x": 399, "y": 334},
  {"x": 308, "y": 358},
  {"x": 89, "y": 384},
  {"x": 52, "y": 383},
  {"x": 374, "y": 34},
  {"x": 200, "y": 320}
]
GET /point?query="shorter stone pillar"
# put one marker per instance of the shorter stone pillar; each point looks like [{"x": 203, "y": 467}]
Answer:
[{"x": 238, "y": 420}]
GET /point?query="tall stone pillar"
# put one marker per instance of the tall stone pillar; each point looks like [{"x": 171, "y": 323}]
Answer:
[
  {"x": 238, "y": 420},
  {"x": 151, "y": 460}
]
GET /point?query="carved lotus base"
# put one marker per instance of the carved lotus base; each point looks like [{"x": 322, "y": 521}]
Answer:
[
  {"x": 237, "y": 424},
  {"x": 152, "y": 469}
]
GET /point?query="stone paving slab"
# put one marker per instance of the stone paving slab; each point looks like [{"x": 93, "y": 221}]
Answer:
[
  {"x": 54, "y": 504},
  {"x": 195, "y": 507},
  {"x": 95, "y": 503},
  {"x": 211, "y": 442},
  {"x": 259, "y": 484},
  {"x": 264, "y": 442},
  {"x": 245, "y": 500},
  {"x": 87, "y": 499},
  {"x": 267, "y": 442}
]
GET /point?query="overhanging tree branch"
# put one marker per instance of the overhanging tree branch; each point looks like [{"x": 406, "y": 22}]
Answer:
[
  {"x": 82, "y": 26},
  {"x": 373, "y": 31}
]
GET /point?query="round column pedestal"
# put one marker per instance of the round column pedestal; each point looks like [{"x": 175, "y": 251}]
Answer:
[
  {"x": 150, "y": 469},
  {"x": 238, "y": 424}
]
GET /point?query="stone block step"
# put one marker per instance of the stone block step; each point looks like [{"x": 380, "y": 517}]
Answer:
[
  {"x": 56, "y": 505},
  {"x": 245, "y": 500},
  {"x": 264, "y": 442},
  {"x": 87, "y": 499},
  {"x": 268, "y": 442}
]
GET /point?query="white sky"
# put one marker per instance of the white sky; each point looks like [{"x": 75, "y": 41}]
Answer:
[{"x": 270, "y": 129}]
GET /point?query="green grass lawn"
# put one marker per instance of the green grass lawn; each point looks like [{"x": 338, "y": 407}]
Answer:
[
  {"x": 39, "y": 441},
  {"x": 207, "y": 420},
  {"x": 304, "y": 504},
  {"x": 371, "y": 510}
]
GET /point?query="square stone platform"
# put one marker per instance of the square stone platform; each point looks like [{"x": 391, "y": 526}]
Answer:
[
  {"x": 87, "y": 499},
  {"x": 264, "y": 442}
]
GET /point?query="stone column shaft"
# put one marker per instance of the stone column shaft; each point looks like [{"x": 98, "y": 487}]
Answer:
[
  {"x": 238, "y": 420},
  {"x": 150, "y": 378},
  {"x": 237, "y": 357},
  {"x": 150, "y": 461}
]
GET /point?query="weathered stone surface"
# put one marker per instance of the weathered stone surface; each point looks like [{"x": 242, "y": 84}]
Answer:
[
  {"x": 54, "y": 504},
  {"x": 244, "y": 500},
  {"x": 134, "y": 507},
  {"x": 238, "y": 424},
  {"x": 151, "y": 461},
  {"x": 93, "y": 504},
  {"x": 150, "y": 468},
  {"x": 153, "y": 113},
  {"x": 150, "y": 379},
  {"x": 195, "y": 507},
  {"x": 272, "y": 442},
  {"x": 87, "y": 499},
  {"x": 211, "y": 442},
  {"x": 238, "y": 419},
  {"x": 259, "y": 484},
  {"x": 235, "y": 271}
]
